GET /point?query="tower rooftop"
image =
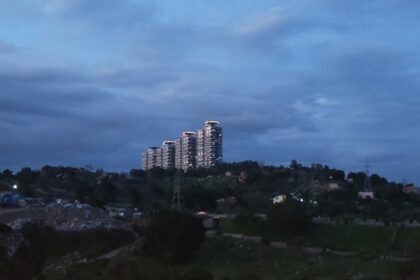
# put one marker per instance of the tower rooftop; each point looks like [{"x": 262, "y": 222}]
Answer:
[{"x": 212, "y": 122}]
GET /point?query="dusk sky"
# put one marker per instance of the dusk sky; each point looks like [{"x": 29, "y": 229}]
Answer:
[{"x": 95, "y": 82}]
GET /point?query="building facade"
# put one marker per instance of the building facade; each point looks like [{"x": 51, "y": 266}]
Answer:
[
  {"x": 158, "y": 154},
  {"x": 168, "y": 155},
  {"x": 152, "y": 158},
  {"x": 201, "y": 148},
  {"x": 212, "y": 149},
  {"x": 178, "y": 154},
  {"x": 188, "y": 150},
  {"x": 144, "y": 161}
]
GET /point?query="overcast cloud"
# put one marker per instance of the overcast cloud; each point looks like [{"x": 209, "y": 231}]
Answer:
[{"x": 95, "y": 82}]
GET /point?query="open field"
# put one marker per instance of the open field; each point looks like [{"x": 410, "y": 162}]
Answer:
[
  {"x": 399, "y": 242},
  {"x": 232, "y": 259}
]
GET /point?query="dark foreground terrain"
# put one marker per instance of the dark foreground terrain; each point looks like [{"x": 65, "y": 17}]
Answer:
[{"x": 224, "y": 258}]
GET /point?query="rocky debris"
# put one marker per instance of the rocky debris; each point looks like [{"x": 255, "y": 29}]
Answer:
[
  {"x": 208, "y": 223},
  {"x": 211, "y": 233},
  {"x": 278, "y": 245},
  {"x": 10, "y": 240},
  {"x": 65, "y": 263},
  {"x": 67, "y": 217},
  {"x": 18, "y": 223}
]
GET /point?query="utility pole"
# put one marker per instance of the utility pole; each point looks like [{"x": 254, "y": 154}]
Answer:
[{"x": 177, "y": 202}]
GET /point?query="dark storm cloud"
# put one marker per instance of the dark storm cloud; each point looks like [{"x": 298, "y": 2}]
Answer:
[
  {"x": 47, "y": 114},
  {"x": 51, "y": 92},
  {"x": 380, "y": 73},
  {"x": 54, "y": 116},
  {"x": 24, "y": 76},
  {"x": 316, "y": 81},
  {"x": 137, "y": 77}
]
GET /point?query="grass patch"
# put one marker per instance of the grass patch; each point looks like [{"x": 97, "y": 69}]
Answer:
[
  {"x": 228, "y": 259},
  {"x": 89, "y": 243},
  {"x": 350, "y": 238},
  {"x": 91, "y": 271},
  {"x": 344, "y": 237},
  {"x": 407, "y": 243}
]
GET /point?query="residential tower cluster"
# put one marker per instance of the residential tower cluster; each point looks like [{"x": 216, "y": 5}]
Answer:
[{"x": 194, "y": 149}]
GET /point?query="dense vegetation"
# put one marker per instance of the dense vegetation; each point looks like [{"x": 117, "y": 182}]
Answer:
[
  {"x": 174, "y": 236},
  {"x": 226, "y": 259},
  {"x": 174, "y": 246},
  {"x": 227, "y": 188},
  {"x": 44, "y": 246}
]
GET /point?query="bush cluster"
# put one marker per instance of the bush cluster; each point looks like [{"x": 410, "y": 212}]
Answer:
[{"x": 174, "y": 236}]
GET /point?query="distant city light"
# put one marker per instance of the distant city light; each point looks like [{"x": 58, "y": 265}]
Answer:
[{"x": 15, "y": 187}]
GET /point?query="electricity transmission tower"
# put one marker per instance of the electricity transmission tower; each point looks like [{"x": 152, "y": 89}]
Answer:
[
  {"x": 177, "y": 201},
  {"x": 367, "y": 186}
]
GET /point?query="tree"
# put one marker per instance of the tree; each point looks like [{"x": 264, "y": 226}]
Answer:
[
  {"x": 29, "y": 259},
  {"x": 174, "y": 236},
  {"x": 378, "y": 181},
  {"x": 358, "y": 179},
  {"x": 108, "y": 192},
  {"x": 4, "y": 260},
  {"x": 84, "y": 192},
  {"x": 137, "y": 173},
  {"x": 130, "y": 268},
  {"x": 196, "y": 197},
  {"x": 7, "y": 173},
  {"x": 410, "y": 270},
  {"x": 295, "y": 165},
  {"x": 134, "y": 196},
  {"x": 337, "y": 174},
  {"x": 337, "y": 203},
  {"x": 26, "y": 177},
  {"x": 256, "y": 201},
  {"x": 289, "y": 217}
]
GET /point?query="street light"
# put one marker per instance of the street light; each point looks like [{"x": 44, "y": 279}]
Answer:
[{"x": 15, "y": 187}]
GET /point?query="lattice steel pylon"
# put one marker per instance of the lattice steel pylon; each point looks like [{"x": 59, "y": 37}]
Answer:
[
  {"x": 177, "y": 201},
  {"x": 367, "y": 186}
]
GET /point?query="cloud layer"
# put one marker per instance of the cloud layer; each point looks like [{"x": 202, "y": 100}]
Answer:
[{"x": 96, "y": 82}]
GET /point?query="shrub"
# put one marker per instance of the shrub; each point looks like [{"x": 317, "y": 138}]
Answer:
[
  {"x": 196, "y": 274},
  {"x": 5, "y": 229},
  {"x": 247, "y": 274},
  {"x": 127, "y": 269},
  {"x": 265, "y": 240},
  {"x": 138, "y": 229},
  {"x": 130, "y": 268},
  {"x": 246, "y": 217},
  {"x": 174, "y": 236},
  {"x": 289, "y": 217},
  {"x": 4, "y": 262},
  {"x": 410, "y": 270}
]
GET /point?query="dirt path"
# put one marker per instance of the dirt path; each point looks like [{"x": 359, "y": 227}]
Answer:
[
  {"x": 311, "y": 250},
  {"x": 113, "y": 253}
]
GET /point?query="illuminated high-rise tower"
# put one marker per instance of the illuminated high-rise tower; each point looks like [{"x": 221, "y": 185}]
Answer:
[
  {"x": 202, "y": 148},
  {"x": 212, "y": 144},
  {"x": 168, "y": 154},
  {"x": 188, "y": 150},
  {"x": 152, "y": 158},
  {"x": 178, "y": 154}
]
